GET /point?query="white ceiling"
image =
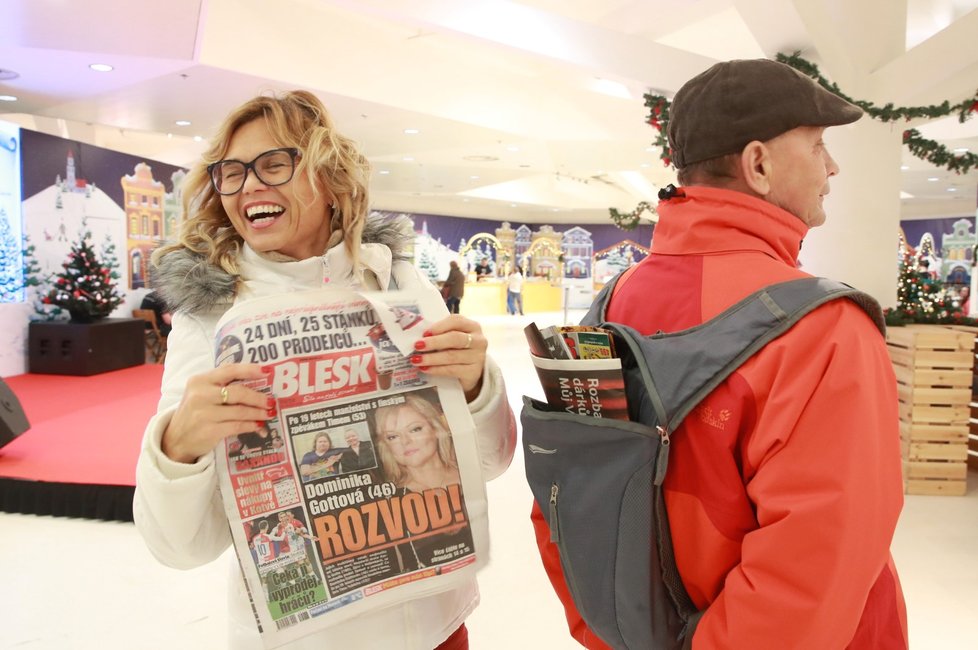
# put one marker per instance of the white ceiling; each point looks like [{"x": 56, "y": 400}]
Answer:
[{"x": 502, "y": 92}]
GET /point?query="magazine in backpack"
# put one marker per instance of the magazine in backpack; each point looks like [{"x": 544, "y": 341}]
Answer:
[{"x": 598, "y": 479}]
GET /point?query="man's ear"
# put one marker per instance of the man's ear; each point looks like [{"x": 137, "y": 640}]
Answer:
[{"x": 756, "y": 168}]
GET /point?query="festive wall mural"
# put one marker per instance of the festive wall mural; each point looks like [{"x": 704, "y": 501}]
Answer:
[
  {"x": 123, "y": 201},
  {"x": 541, "y": 250},
  {"x": 947, "y": 246},
  {"x": 11, "y": 260},
  {"x": 610, "y": 261},
  {"x": 78, "y": 199}
]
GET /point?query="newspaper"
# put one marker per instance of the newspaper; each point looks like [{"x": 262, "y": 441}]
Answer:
[
  {"x": 333, "y": 507},
  {"x": 579, "y": 370},
  {"x": 594, "y": 387}
]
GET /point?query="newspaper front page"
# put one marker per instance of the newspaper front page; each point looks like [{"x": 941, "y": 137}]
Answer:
[{"x": 365, "y": 488}]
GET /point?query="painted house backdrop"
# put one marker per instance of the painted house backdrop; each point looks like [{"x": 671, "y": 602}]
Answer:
[{"x": 52, "y": 188}]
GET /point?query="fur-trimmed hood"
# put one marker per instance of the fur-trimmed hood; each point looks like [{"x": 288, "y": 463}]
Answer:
[{"x": 187, "y": 282}]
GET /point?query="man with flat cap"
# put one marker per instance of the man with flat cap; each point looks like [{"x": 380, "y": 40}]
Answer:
[{"x": 784, "y": 484}]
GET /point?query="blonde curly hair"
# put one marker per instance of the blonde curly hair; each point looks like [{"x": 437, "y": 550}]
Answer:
[{"x": 331, "y": 162}]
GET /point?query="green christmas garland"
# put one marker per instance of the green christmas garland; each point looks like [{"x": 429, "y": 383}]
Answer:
[
  {"x": 929, "y": 150},
  {"x": 629, "y": 220}
]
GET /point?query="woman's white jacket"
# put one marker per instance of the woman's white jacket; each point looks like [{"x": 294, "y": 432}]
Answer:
[{"x": 178, "y": 508}]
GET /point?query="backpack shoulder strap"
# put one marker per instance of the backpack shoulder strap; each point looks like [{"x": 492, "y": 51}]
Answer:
[{"x": 682, "y": 368}]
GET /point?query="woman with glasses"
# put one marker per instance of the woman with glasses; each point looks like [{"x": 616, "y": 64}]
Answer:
[{"x": 278, "y": 204}]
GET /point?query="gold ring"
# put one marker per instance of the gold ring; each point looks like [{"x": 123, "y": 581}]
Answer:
[
  {"x": 224, "y": 395},
  {"x": 468, "y": 343}
]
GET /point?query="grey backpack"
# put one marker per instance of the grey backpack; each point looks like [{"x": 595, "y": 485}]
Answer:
[{"x": 599, "y": 481}]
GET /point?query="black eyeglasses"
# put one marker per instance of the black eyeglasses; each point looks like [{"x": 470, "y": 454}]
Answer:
[{"x": 272, "y": 168}]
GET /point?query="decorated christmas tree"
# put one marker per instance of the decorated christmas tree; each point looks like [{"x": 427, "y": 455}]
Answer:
[
  {"x": 921, "y": 295},
  {"x": 34, "y": 282},
  {"x": 428, "y": 265},
  {"x": 11, "y": 273},
  {"x": 85, "y": 287}
]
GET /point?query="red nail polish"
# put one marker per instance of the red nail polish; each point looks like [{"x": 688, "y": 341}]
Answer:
[
  {"x": 271, "y": 412},
  {"x": 270, "y": 402},
  {"x": 419, "y": 345},
  {"x": 423, "y": 368},
  {"x": 259, "y": 423},
  {"x": 415, "y": 359},
  {"x": 426, "y": 333}
]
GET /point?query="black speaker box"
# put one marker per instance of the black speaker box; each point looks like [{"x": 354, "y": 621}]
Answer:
[{"x": 13, "y": 422}]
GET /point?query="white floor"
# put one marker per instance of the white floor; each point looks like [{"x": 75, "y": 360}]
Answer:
[{"x": 87, "y": 585}]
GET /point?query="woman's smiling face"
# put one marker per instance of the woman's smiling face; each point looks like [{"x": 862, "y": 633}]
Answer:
[{"x": 290, "y": 218}]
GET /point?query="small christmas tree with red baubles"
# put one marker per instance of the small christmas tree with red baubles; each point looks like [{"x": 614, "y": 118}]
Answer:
[
  {"x": 922, "y": 297},
  {"x": 86, "y": 287}
]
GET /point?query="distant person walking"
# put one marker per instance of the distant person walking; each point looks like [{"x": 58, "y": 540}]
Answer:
[
  {"x": 514, "y": 295},
  {"x": 456, "y": 287}
]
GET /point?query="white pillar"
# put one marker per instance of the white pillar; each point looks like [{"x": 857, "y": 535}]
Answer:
[{"x": 858, "y": 242}]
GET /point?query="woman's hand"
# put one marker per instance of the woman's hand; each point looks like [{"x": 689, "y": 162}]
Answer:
[
  {"x": 454, "y": 347},
  {"x": 213, "y": 408}
]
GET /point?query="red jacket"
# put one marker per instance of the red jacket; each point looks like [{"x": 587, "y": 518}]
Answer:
[{"x": 784, "y": 484}]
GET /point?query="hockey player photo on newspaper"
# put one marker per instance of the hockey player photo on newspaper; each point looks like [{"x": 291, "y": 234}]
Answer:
[{"x": 364, "y": 489}]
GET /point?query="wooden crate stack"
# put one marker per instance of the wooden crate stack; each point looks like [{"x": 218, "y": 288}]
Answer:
[
  {"x": 973, "y": 421},
  {"x": 933, "y": 367}
]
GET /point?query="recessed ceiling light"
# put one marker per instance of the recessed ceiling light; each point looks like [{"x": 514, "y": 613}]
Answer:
[
  {"x": 474, "y": 178},
  {"x": 197, "y": 138},
  {"x": 384, "y": 171},
  {"x": 933, "y": 179},
  {"x": 645, "y": 165},
  {"x": 512, "y": 147},
  {"x": 101, "y": 67},
  {"x": 904, "y": 167},
  {"x": 411, "y": 131},
  {"x": 7, "y": 98},
  {"x": 610, "y": 88},
  {"x": 649, "y": 149},
  {"x": 169, "y": 135},
  {"x": 952, "y": 189},
  {"x": 407, "y": 158},
  {"x": 512, "y": 205},
  {"x": 182, "y": 123},
  {"x": 961, "y": 150}
]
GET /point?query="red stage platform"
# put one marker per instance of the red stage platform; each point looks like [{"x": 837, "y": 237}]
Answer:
[{"x": 78, "y": 458}]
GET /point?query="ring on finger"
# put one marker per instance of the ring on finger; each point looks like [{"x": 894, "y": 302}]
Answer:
[
  {"x": 224, "y": 395},
  {"x": 468, "y": 341}
]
